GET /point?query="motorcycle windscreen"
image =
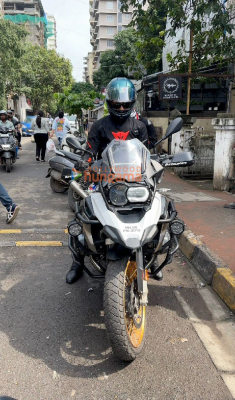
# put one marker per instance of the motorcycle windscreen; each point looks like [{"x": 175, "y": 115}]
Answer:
[{"x": 127, "y": 160}]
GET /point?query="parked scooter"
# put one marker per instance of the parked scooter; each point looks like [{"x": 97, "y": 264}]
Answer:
[
  {"x": 64, "y": 159},
  {"x": 8, "y": 148}
]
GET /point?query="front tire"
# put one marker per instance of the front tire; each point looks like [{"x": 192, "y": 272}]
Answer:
[
  {"x": 57, "y": 187},
  {"x": 8, "y": 165},
  {"x": 125, "y": 318}
]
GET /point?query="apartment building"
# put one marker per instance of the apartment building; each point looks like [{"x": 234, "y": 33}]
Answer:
[
  {"x": 51, "y": 33},
  {"x": 31, "y": 13},
  {"x": 106, "y": 20},
  {"x": 88, "y": 67}
]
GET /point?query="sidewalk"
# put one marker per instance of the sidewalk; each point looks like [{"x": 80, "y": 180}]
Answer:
[{"x": 209, "y": 239}]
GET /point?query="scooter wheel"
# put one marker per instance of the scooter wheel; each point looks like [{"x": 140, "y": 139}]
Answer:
[
  {"x": 57, "y": 187},
  {"x": 8, "y": 165}
]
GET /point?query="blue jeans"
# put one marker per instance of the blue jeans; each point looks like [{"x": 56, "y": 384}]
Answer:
[{"x": 5, "y": 198}]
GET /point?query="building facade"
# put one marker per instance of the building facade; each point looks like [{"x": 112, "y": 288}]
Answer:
[
  {"x": 31, "y": 13},
  {"x": 88, "y": 67},
  {"x": 106, "y": 20},
  {"x": 51, "y": 33}
]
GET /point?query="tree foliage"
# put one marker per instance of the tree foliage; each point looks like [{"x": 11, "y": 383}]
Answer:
[
  {"x": 11, "y": 51},
  {"x": 211, "y": 23},
  {"x": 120, "y": 61},
  {"x": 44, "y": 73},
  {"x": 80, "y": 97}
]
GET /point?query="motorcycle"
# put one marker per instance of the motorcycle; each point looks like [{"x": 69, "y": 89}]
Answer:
[
  {"x": 8, "y": 148},
  {"x": 123, "y": 222},
  {"x": 62, "y": 160}
]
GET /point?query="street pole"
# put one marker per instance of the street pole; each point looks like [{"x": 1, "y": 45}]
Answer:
[{"x": 190, "y": 70}]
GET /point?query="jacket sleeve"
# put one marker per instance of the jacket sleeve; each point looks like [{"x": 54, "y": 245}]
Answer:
[
  {"x": 93, "y": 140},
  {"x": 152, "y": 134},
  {"x": 143, "y": 137}
]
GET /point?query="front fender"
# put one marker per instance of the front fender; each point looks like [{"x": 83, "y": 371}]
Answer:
[
  {"x": 8, "y": 154},
  {"x": 117, "y": 251}
]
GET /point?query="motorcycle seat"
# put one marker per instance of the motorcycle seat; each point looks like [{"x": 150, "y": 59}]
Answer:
[{"x": 70, "y": 155}]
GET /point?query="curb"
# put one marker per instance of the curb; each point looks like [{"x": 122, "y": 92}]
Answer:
[{"x": 210, "y": 267}]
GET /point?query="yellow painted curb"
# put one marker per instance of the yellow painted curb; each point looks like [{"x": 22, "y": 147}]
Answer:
[
  {"x": 224, "y": 284},
  {"x": 188, "y": 241},
  {"x": 10, "y": 231},
  {"x": 39, "y": 244}
]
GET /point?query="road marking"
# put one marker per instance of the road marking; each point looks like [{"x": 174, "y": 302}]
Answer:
[
  {"x": 9, "y": 231},
  {"x": 33, "y": 230},
  {"x": 39, "y": 244}
]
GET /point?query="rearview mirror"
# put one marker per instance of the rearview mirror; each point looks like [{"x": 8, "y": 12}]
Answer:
[{"x": 175, "y": 126}]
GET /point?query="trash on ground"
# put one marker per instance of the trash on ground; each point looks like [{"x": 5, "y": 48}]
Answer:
[{"x": 91, "y": 289}]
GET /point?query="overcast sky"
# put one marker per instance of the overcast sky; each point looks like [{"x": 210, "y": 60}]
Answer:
[{"x": 73, "y": 30}]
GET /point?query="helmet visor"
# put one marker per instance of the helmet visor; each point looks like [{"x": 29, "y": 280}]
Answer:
[{"x": 121, "y": 94}]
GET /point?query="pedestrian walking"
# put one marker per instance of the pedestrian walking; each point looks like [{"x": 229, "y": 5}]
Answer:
[
  {"x": 60, "y": 126},
  {"x": 11, "y": 207},
  {"x": 41, "y": 129}
]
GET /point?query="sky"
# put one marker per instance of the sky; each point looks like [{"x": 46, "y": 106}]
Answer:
[{"x": 73, "y": 30}]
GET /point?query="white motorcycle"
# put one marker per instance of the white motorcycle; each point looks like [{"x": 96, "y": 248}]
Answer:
[{"x": 122, "y": 223}]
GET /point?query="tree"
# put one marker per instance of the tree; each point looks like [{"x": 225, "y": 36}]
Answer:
[
  {"x": 44, "y": 73},
  {"x": 82, "y": 87},
  {"x": 110, "y": 67},
  {"x": 11, "y": 51},
  {"x": 77, "y": 99},
  {"x": 119, "y": 62},
  {"x": 210, "y": 22}
]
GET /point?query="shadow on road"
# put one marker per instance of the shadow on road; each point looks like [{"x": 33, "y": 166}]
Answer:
[{"x": 63, "y": 325}]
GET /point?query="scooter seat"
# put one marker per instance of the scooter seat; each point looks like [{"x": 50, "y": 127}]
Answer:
[
  {"x": 71, "y": 156},
  {"x": 81, "y": 140}
]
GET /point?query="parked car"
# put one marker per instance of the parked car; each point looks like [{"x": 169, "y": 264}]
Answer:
[
  {"x": 72, "y": 120},
  {"x": 27, "y": 126}
]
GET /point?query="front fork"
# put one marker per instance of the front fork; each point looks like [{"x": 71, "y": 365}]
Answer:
[{"x": 141, "y": 277}]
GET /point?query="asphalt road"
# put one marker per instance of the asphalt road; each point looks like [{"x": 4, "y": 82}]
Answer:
[{"x": 53, "y": 342}]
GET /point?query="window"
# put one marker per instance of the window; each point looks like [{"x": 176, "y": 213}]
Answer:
[
  {"x": 127, "y": 16},
  {"x": 109, "y": 18},
  {"x": 119, "y": 28},
  {"x": 120, "y": 17},
  {"x": 119, "y": 4},
  {"x": 109, "y": 43},
  {"x": 110, "y": 31},
  {"x": 109, "y": 5}
]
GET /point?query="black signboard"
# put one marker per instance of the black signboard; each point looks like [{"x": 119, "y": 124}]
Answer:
[{"x": 170, "y": 87}]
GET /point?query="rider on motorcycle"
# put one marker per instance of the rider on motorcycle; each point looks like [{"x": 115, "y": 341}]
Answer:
[
  {"x": 120, "y": 99},
  {"x": 16, "y": 123},
  {"x": 4, "y": 123}
]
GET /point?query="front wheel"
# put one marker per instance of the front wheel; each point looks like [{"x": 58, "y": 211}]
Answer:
[
  {"x": 125, "y": 317},
  {"x": 8, "y": 165}
]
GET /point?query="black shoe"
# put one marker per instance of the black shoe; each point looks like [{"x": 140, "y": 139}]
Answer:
[
  {"x": 159, "y": 275},
  {"x": 74, "y": 273}
]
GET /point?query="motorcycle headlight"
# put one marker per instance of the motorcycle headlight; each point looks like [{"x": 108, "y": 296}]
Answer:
[
  {"x": 6, "y": 146},
  {"x": 117, "y": 195},
  {"x": 177, "y": 227},
  {"x": 74, "y": 228},
  {"x": 137, "y": 194}
]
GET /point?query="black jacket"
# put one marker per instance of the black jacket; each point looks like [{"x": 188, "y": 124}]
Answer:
[
  {"x": 152, "y": 134},
  {"x": 107, "y": 129}
]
